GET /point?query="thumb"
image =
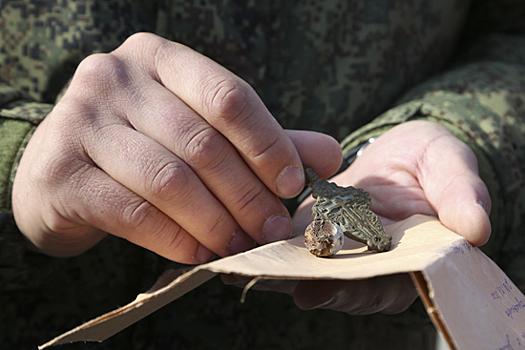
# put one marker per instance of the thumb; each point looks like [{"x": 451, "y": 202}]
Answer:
[
  {"x": 318, "y": 151},
  {"x": 449, "y": 177}
]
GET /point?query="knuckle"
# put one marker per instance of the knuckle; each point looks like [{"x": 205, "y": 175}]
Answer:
[
  {"x": 98, "y": 74},
  {"x": 69, "y": 119},
  {"x": 147, "y": 47},
  {"x": 137, "y": 213},
  {"x": 205, "y": 149},
  {"x": 56, "y": 167},
  {"x": 164, "y": 236},
  {"x": 138, "y": 39},
  {"x": 175, "y": 240},
  {"x": 226, "y": 98},
  {"x": 169, "y": 182}
]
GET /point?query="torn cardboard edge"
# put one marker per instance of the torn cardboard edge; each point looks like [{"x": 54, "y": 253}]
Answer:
[
  {"x": 111, "y": 323},
  {"x": 424, "y": 293},
  {"x": 446, "y": 270}
]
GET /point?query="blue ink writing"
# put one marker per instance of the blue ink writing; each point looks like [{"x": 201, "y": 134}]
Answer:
[
  {"x": 515, "y": 308},
  {"x": 507, "y": 346},
  {"x": 501, "y": 290},
  {"x": 461, "y": 248}
]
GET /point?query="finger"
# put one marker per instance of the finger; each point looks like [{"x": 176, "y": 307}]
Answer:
[
  {"x": 449, "y": 177},
  {"x": 96, "y": 200},
  {"x": 143, "y": 165},
  {"x": 162, "y": 116},
  {"x": 85, "y": 201},
  {"x": 230, "y": 105},
  {"x": 435, "y": 173},
  {"x": 164, "y": 181},
  {"x": 318, "y": 151},
  {"x": 387, "y": 172},
  {"x": 387, "y": 294},
  {"x": 323, "y": 154},
  {"x": 139, "y": 222}
]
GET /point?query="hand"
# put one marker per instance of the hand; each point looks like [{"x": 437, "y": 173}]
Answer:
[
  {"x": 159, "y": 145},
  {"x": 415, "y": 168}
]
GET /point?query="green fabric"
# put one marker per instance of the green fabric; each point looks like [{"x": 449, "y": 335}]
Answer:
[
  {"x": 354, "y": 67},
  {"x": 435, "y": 111},
  {"x": 12, "y": 135},
  {"x": 18, "y": 116},
  {"x": 482, "y": 103},
  {"x": 329, "y": 66}
]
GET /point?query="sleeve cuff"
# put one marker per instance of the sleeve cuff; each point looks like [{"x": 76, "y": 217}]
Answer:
[{"x": 464, "y": 117}]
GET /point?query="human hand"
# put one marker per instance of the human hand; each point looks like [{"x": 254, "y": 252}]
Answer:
[
  {"x": 159, "y": 145},
  {"x": 415, "y": 168}
]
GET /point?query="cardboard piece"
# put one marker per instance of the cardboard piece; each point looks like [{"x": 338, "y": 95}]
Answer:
[{"x": 469, "y": 299}]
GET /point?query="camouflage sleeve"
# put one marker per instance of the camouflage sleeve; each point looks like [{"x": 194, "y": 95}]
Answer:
[
  {"x": 19, "y": 116},
  {"x": 481, "y": 99}
]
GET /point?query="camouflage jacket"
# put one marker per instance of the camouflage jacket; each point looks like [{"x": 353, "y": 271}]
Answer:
[{"x": 351, "y": 68}]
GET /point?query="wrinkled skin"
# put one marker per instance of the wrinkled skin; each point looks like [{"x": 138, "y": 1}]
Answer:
[
  {"x": 415, "y": 168},
  {"x": 159, "y": 145}
]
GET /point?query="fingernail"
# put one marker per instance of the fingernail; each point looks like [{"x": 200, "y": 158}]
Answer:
[
  {"x": 277, "y": 228},
  {"x": 241, "y": 242},
  {"x": 204, "y": 254},
  {"x": 290, "y": 182}
]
